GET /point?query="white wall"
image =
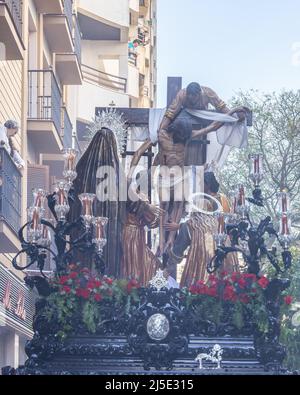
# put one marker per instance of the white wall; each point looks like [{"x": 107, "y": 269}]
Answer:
[
  {"x": 115, "y": 11},
  {"x": 134, "y": 5},
  {"x": 133, "y": 81},
  {"x": 94, "y": 51},
  {"x": 92, "y": 96}
]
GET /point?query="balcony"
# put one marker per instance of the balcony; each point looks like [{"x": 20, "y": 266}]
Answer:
[
  {"x": 67, "y": 128},
  {"x": 92, "y": 95},
  {"x": 68, "y": 64},
  {"x": 12, "y": 47},
  {"x": 44, "y": 112},
  {"x": 113, "y": 12},
  {"x": 58, "y": 29},
  {"x": 132, "y": 58},
  {"x": 10, "y": 203},
  {"x": 103, "y": 79},
  {"x": 49, "y": 7}
]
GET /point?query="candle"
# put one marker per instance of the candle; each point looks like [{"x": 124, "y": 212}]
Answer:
[
  {"x": 86, "y": 206},
  {"x": 39, "y": 197},
  {"x": 71, "y": 161},
  {"x": 35, "y": 219},
  {"x": 87, "y": 200},
  {"x": 284, "y": 225},
  {"x": 284, "y": 203},
  {"x": 221, "y": 224},
  {"x": 256, "y": 172},
  {"x": 241, "y": 201}
]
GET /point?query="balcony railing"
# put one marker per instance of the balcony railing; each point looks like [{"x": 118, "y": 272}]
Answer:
[
  {"x": 44, "y": 97},
  {"x": 77, "y": 40},
  {"x": 68, "y": 11},
  {"x": 10, "y": 191},
  {"x": 15, "y": 9},
  {"x": 132, "y": 58},
  {"x": 67, "y": 128},
  {"x": 103, "y": 79}
]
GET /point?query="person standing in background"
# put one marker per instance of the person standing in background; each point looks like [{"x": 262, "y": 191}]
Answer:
[{"x": 7, "y": 132}]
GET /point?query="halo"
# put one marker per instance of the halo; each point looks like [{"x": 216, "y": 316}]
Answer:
[
  {"x": 195, "y": 208},
  {"x": 113, "y": 120}
]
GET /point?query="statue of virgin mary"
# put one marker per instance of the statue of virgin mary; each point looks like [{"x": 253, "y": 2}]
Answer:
[{"x": 102, "y": 153}]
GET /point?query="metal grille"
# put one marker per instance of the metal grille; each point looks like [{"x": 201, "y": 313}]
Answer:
[
  {"x": 77, "y": 40},
  {"x": 67, "y": 129},
  {"x": 68, "y": 11},
  {"x": 10, "y": 191},
  {"x": 44, "y": 101},
  {"x": 15, "y": 9}
]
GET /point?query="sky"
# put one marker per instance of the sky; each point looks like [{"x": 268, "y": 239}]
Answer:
[{"x": 229, "y": 45}]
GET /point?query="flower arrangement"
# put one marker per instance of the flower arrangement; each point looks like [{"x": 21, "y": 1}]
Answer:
[
  {"x": 79, "y": 290},
  {"x": 237, "y": 299},
  {"x": 242, "y": 293}
]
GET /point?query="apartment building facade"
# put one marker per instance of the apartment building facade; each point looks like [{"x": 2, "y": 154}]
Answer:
[
  {"x": 118, "y": 56},
  {"x": 59, "y": 59},
  {"x": 40, "y": 65}
]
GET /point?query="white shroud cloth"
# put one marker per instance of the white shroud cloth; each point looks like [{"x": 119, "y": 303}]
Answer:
[{"x": 231, "y": 134}]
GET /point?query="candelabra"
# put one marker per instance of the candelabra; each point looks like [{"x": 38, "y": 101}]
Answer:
[
  {"x": 248, "y": 238},
  {"x": 90, "y": 230}
]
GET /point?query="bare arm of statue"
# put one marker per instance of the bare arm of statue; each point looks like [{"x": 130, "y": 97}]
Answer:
[
  {"x": 216, "y": 125},
  {"x": 137, "y": 156},
  {"x": 173, "y": 110}
]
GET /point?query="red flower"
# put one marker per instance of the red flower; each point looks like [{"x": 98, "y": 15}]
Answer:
[
  {"x": 193, "y": 289},
  {"x": 132, "y": 284},
  {"x": 91, "y": 284},
  {"x": 97, "y": 283},
  {"x": 263, "y": 282},
  {"x": 229, "y": 293},
  {"x": 224, "y": 273},
  {"x": 84, "y": 293},
  {"x": 244, "y": 298},
  {"x": 288, "y": 300},
  {"x": 97, "y": 297},
  {"x": 202, "y": 290},
  {"x": 67, "y": 289},
  {"x": 63, "y": 279},
  {"x": 242, "y": 283},
  {"x": 212, "y": 291},
  {"x": 73, "y": 275}
]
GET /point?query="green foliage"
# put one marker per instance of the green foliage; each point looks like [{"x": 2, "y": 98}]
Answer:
[
  {"x": 91, "y": 315},
  {"x": 238, "y": 316},
  {"x": 275, "y": 134},
  {"x": 290, "y": 334}
]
